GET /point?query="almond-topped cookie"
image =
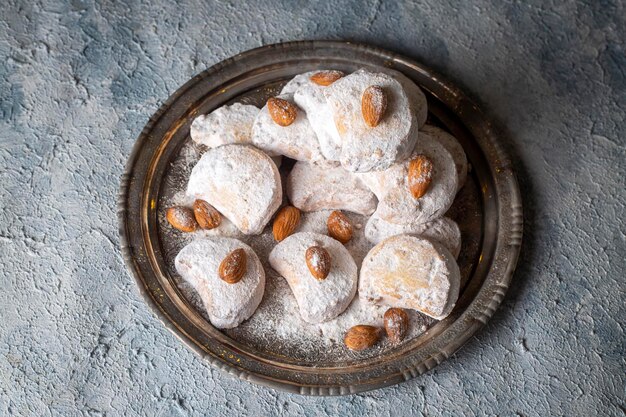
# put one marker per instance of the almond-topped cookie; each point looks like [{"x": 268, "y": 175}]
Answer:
[
  {"x": 442, "y": 230},
  {"x": 327, "y": 186},
  {"x": 395, "y": 186},
  {"x": 320, "y": 272},
  {"x": 241, "y": 182},
  {"x": 227, "y": 275},
  {"x": 225, "y": 125},
  {"x": 371, "y": 141},
  {"x": 411, "y": 272},
  {"x": 292, "y": 136},
  {"x": 308, "y": 93}
]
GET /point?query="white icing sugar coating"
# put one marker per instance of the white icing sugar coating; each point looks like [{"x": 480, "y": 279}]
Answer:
[
  {"x": 227, "y": 305},
  {"x": 318, "y": 300},
  {"x": 411, "y": 272},
  {"x": 417, "y": 99},
  {"x": 310, "y": 97},
  {"x": 442, "y": 230},
  {"x": 225, "y": 125},
  {"x": 313, "y": 187},
  {"x": 241, "y": 182},
  {"x": 296, "y": 82},
  {"x": 454, "y": 147},
  {"x": 397, "y": 205},
  {"x": 365, "y": 148},
  {"x": 297, "y": 141}
]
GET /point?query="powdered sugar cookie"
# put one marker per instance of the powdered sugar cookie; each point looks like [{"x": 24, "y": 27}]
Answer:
[
  {"x": 453, "y": 146},
  {"x": 318, "y": 300},
  {"x": 313, "y": 187},
  {"x": 241, "y": 182},
  {"x": 365, "y": 148},
  {"x": 225, "y": 125},
  {"x": 226, "y": 304},
  {"x": 442, "y": 230},
  {"x": 297, "y": 140},
  {"x": 396, "y": 203},
  {"x": 310, "y": 97},
  {"x": 411, "y": 272}
]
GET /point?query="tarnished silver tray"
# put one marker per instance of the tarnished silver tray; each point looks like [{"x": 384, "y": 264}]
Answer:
[{"x": 488, "y": 211}]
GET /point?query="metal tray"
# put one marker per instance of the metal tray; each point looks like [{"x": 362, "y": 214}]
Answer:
[{"x": 488, "y": 211}]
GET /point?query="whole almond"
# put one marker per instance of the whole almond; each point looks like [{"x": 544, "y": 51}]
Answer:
[
  {"x": 326, "y": 78},
  {"x": 282, "y": 112},
  {"x": 396, "y": 324},
  {"x": 206, "y": 215},
  {"x": 234, "y": 266},
  {"x": 420, "y": 175},
  {"x": 373, "y": 105},
  {"x": 318, "y": 262},
  {"x": 361, "y": 337},
  {"x": 181, "y": 218},
  {"x": 285, "y": 222},
  {"x": 339, "y": 227}
]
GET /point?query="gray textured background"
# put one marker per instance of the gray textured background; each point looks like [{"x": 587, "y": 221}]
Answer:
[{"x": 79, "y": 80}]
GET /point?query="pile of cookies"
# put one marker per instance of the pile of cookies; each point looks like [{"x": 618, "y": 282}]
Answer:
[{"x": 361, "y": 145}]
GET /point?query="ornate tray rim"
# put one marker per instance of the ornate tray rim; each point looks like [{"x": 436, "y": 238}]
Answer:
[{"x": 475, "y": 315}]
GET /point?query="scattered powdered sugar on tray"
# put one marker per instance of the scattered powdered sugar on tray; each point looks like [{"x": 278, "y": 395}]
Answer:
[{"x": 276, "y": 329}]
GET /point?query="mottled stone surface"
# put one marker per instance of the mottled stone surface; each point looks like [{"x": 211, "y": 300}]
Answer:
[{"x": 78, "y": 81}]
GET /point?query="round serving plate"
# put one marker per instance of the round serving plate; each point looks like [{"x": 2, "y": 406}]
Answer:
[{"x": 488, "y": 210}]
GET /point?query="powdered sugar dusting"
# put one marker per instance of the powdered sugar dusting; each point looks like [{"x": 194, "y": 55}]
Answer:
[
  {"x": 411, "y": 272},
  {"x": 343, "y": 222},
  {"x": 396, "y": 203},
  {"x": 319, "y": 300},
  {"x": 454, "y": 147},
  {"x": 310, "y": 97},
  {"x": 425, "y": 172},
  {"x": 312, "y": 187},
  {"x": 225, "y": 125},
  {"x": 318, "y": 261},
  {"x": 183, "y": 216},
  {"x": 443, "y": 230},
  {"x": 365, "y": 148},
  {"x": 377, "y": 97},
  {"x": 241, "y": 182},
  {"x": 227, "y": 304},
  {"x": 296, "y": 141}
]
